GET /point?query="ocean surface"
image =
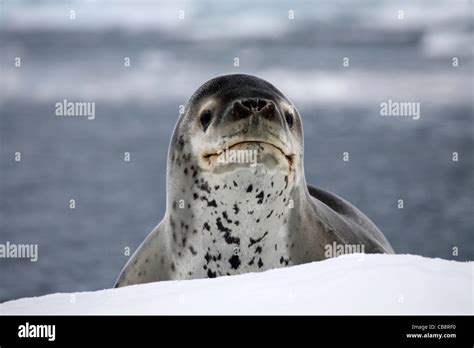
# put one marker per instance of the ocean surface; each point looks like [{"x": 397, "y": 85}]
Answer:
[{"x": 407, "y": 59}]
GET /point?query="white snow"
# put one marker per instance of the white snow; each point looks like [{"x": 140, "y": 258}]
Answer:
[{"x": 349, "y": 284}]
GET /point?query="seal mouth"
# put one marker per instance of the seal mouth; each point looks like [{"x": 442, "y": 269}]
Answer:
[{"x": 211, "y": 157}]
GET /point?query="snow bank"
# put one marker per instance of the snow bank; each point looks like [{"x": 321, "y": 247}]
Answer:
[{"x": 350, "y": 284}]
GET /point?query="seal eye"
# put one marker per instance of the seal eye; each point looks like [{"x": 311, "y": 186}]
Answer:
[
  {"x": 289, "y": 119},
  {"x": 206, "y": 117}
]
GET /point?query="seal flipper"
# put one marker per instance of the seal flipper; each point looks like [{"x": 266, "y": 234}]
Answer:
[{"x": 149, "y": 262}]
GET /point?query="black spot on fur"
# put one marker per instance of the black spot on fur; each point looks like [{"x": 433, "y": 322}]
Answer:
[
  {"x": 181, "y": 143},
  {"x": 270, "y": 214},
  {"x": 205, "y": 187},
  {"x": 216, "y": 187},
  {"x": 258, "y": 250},
  {"x": 250, "y": 188},
  {"x": 236, "y": 208},
  {"x": 235, "y": 184},
  {"x": 284, "y": 261},
  {"x": 185, "y": 171},
  {"x": 211, "y": 274},
  {"x": 254, "y": 241},
  {"x": 260, "y": 263},
  {"x": 206, "y": 226},
  {"x": 227, "y": 237},
  {"x": 260, "y": 197},
  {"x": 226, "y": 217},
  {"x": 209, "y": 203},
  {"x": 212, "y": 203},
  {"x": 221, "y": 227},
  {"x": 234, "y": 261}
]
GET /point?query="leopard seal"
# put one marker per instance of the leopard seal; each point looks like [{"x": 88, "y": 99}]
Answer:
[{"x": 237, "y": 199}]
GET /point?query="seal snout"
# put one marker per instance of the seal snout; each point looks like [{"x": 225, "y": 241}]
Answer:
[
  {"x": 255, "y": 107},
  {"x": 254, "y": 103},
  {"x": 256, "y": 125}
]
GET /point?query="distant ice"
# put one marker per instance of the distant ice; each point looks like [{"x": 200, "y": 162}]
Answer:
[{"x": 350, "y": 284}]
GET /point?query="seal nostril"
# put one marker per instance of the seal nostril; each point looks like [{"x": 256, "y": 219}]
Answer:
[
  {"x": 289, "y": 119},
  {"x": 261, "y": 104},
  {"x": 206, "y": 117},
  {"x": 241, "y": 110},
  {"x": 247, "y": 104},
  {"x": 269, "y": 112},
  {"x": 254, "y": 103}
]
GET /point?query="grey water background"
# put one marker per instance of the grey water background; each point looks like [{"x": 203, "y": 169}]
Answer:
[{"x": 118, "y": 203}]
